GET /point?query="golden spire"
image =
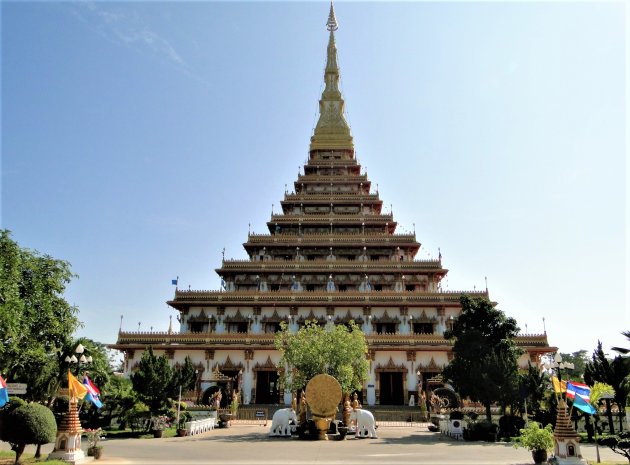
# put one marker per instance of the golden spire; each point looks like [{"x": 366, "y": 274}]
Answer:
[{"x": 332, "y": 131}]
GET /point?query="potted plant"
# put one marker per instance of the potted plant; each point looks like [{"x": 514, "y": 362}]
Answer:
[
  {"x": 158, "y": 425},
  {"x": 94, "y": 436},
  {"x": 184, "y": 418},
  {"x": 538, "y": 440}
]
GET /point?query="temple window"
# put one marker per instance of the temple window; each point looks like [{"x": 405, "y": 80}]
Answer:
[
  {"x": 237, "y": 327},
  {"x": 410, "y": 287},
  {"x": 382, "y": 328},
  {"x": 423, "y": 328},
  {"x": 271, "y": 328},
  {"x": 378, "y": 287},
  {"x": 198, "y": 327},
  {"x": 342, "y": 288},
  {"x": 310, "y": 287}
]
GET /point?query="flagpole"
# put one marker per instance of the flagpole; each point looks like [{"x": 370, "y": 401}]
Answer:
[{"x": 179, "y": 403}]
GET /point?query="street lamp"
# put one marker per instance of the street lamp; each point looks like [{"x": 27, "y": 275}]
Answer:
[
  {"x": 558, "y": 365},
  {"x": 81, "y": 359}
]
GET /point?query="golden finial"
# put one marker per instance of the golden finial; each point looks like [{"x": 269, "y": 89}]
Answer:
[
  {"x": 332, "y": 24},
  {"x": 332, "y": 131}
]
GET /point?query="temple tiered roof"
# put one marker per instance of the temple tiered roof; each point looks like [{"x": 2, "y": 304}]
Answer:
[{"x": 331, "y": 255}]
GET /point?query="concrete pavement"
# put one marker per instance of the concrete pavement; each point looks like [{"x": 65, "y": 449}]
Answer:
[{"x": 249, "y": 445}]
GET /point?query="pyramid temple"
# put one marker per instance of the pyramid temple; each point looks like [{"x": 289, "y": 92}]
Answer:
[{"x": 331, "y": 255}]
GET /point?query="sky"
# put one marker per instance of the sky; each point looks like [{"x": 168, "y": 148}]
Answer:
[{"x": 139, "y": 139}]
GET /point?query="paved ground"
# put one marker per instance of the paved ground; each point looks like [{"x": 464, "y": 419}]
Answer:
[{"x": 249, "y": 445}]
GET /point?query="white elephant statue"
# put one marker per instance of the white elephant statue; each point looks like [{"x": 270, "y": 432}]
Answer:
[
  {"x": 366, "y": 426},
  {"x": 280, "y": 423}
]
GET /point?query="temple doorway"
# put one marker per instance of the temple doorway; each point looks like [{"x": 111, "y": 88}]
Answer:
[
  {"x": 267, "y": 387},
  {"x": 391, "y": 388}
]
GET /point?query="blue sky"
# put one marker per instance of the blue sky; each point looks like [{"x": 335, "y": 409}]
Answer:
[{"x": 139, "y": 139}]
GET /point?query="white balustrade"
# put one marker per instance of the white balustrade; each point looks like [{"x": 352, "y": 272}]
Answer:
[{"x": 200, "y": 426}]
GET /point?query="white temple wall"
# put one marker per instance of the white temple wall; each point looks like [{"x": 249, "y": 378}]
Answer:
[{"x": 524, "y": 360}]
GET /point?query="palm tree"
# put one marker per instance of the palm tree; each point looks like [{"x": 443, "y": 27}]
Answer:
[{"x": 623, "y": 350}]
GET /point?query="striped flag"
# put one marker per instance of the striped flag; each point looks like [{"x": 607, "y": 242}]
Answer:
[
  {"x": 575, "y": 389},
  {"x": 583, "y": 405},
  {"x": 92, "y": 392},
  {"x": 4, "y": 392}
]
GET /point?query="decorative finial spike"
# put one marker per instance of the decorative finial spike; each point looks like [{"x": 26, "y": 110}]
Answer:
[{"x": 332, "y": 24}]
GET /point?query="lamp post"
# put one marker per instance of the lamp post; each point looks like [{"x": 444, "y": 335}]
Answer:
[
  {"x": 79, "y": 358},
  {"x": 558, "y": 365}
]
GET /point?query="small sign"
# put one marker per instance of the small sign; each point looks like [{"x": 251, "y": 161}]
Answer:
[
  {"x": 370, "y": 385},
  {"x": 17, "y": 388},
  {"x": 260, "y": 414}
]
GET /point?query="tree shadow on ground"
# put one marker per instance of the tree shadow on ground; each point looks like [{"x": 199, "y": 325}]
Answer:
[{"x": 425, "y": 438}]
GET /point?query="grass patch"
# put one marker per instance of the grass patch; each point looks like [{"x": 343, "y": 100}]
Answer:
[
  {"x": 7, "y": 457},
  {"x": 128, "y": 434}
]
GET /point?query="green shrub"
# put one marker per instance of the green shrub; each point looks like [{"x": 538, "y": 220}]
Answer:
[
  {"x": 138, "y": 417},
  {"x": 184, "y": 417},
  {"x": 510, "y": 425},
  {"x": 28, "y": 424},
  {"x": 14, "y": 403},
  {"x": 534, "y": 438}
]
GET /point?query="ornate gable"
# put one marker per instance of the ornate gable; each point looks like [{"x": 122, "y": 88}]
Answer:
[
  {"x": 386, "y": 319},
  {"x": 267, "y": 366},
  {"x": 311, "y": 317},
  {"x": 274, "y": 318},
  {"x": 236, "y": 318},
  {"x": 391, "y": 366},
  {"x": 229, "y": 365},
  {"x": 348, "y": 317},
  {"x": 431, "y": 366}
]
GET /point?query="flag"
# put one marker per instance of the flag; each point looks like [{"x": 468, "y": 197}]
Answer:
[
  {"x": 580, "y": 403},
  {"x": 4, "y": 392},
  {"x": 174, "y": 281},
  {"x": 575, "y": 390},
  {"x": 222, "y": 283},
  {"x": 75, "y": 387},
  {"x": 557, "y": 386},
  {"x": 92, "y": 392}
]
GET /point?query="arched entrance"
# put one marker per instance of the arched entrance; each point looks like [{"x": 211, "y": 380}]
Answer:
[
  {"x": 392, "y": 383},
  {"x": 266, "y": 377},
  {"x": 267, "y": 391}
]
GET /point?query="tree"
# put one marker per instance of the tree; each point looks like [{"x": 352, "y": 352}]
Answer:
[
  {"x": 36, "y": 322},
  {"x": 612, "y": 372},
  {"x": 338, "y": 351},
  {"x": 485, "y": 363},
  {"x": 579, "y": 360},
  {"x": 183, "y": 375},
  {"x": 151, "y": 381},
  {"x": 535, "y": 386},
  {"x": 623, "y": 350},
  {"x": 28, "y": 424},
  {"x": 118, "y": 397}
]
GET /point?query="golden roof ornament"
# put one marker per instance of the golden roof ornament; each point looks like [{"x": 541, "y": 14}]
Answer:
[
  {"x": 332, "y": 131},
  {"x": 331, "y": 24}
]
